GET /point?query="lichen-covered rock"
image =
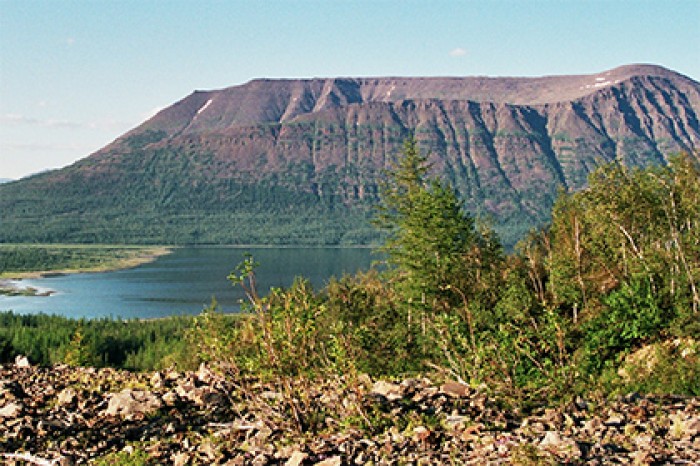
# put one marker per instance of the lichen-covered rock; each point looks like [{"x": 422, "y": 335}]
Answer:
[
  {"x": 64, "y": 415},
  {"x": 129, "y": 403},
  {"x": 388, "y": 390}
]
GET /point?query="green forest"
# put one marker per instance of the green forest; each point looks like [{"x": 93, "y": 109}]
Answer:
[
  {"x": 21, "y": 259},
  {"x": 159, "y": 202},
  {"x": 174, "y": 196},
  {"x": 605, "y": 299},
  {"x": 134, "y": 344}
]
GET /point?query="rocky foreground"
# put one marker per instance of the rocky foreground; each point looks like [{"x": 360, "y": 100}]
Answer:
[{"x": 61, "y": 415}]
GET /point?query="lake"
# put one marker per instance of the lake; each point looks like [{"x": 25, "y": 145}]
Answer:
[{"x": 183, "y": 282}]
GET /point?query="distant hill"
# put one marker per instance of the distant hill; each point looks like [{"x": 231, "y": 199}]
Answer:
[
  {"x": 299, "y": 160},
  {"x": 5, "y": 180}
]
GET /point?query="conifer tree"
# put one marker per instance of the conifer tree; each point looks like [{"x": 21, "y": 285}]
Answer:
[{"x": 429, "y": 233}]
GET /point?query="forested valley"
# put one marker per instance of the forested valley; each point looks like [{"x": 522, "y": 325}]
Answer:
[
  {"x": 607, "y": 298},
  {"x": 581, "y": 345}
]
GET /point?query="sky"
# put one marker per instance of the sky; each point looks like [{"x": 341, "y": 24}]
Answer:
[{"x": 76, "y": 74}]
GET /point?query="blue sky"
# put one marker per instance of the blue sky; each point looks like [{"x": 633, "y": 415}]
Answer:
[{"x": 75, "y": 74}]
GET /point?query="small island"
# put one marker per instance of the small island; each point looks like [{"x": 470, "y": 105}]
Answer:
[{"x": 11, "y": 288}]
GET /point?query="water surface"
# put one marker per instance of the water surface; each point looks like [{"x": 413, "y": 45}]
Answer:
[{"x": 183, "y": 282}]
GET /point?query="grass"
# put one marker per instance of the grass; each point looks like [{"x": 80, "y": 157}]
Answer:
[{"x": 34, "y": 260}]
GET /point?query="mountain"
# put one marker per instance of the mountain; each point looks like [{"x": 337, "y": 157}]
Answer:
[
  {"x": 5, "y": 180},
  {"x": 300, "y": 160}
]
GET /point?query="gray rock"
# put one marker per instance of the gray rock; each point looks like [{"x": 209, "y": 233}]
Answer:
[
  {"x": 296, "y": 459},
  {"x": 615, "y": 420},
  {"x": 691, "y": 427},
  {"x": 552, "y": 439},
  {"x": 22, "y": 361},
  {"x": 129, "y": 403},
  {"x": 181, "y": 459},
  {"x": 11, "y": 410},
  {"x": 170, "y": 398},
  {"x": 390, "y": 391},
  {"x": 157, "y": 380},
  {"x": 206, "y": 375},
  {"x": 455, "y": 389},
  {"x": 67, "y": 396},
  {"x": 333, "y": 461},
  {"x": 260, "y": 460},
  {"x": 456, "y": 421},
  {"x": 563, "y": 446}
]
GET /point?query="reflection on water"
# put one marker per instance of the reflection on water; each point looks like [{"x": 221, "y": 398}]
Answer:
[{"x": 183, "y": 282}]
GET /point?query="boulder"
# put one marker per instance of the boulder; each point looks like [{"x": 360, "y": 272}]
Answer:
[
  {"x": 129, "y": 403},
  {"x": 67, "y": 396},
  {"x": 554, "y": 442},
  {"x": 22, "y": 361},
  {"x": 296, "y": 459},
  {"x": 11, "y": 410},
  {"x": 388, "y": 390},
  {"x": 455, "y": 389}
]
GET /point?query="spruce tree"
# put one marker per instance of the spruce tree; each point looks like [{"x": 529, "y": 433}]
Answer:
[{"x": 429, "y": 234}]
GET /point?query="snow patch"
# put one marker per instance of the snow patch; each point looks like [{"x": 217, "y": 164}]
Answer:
[
  {"x": 204, "y": 107},
  {"x": 600, "y": 82}
]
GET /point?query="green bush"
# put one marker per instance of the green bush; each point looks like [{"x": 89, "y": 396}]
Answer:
[{"x": 631, "y": 316}]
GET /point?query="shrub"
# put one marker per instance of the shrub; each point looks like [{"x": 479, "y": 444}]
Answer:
[{"x": 631, "y": 316}]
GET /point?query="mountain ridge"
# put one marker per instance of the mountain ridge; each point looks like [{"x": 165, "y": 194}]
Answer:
[
  {"x": 314, "y": 149},
  {"x": 512, "y": 90}
]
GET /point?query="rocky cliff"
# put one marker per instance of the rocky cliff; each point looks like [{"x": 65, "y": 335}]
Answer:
[{"x": 270, "y": 152}]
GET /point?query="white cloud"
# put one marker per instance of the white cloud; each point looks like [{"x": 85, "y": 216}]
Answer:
[
  {"x": 108, "y": 124},
  {"x": 458, "y": 52},
  {"x": 61, "y": 123},
  {"x": 15, "y": 119},
  {"x": 44, "y": 147}
]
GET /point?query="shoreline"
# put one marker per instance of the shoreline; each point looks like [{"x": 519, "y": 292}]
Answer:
[
  {"x": 150, "y": 255},
  {"x": 10, "y": 286}
]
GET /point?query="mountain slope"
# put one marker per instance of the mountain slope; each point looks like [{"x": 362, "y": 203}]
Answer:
[{"x": 299, "y": 161}]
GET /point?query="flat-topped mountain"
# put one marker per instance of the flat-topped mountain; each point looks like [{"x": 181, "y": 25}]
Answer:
[
  {"x": 284, "y": 100},
  {"x": 299, "y": 160}
]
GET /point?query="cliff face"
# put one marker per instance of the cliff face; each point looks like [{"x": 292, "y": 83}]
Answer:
[{"x": 506, "y": 144}]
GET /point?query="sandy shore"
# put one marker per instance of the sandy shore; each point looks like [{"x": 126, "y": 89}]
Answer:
[{"x": 9, "y": 279}]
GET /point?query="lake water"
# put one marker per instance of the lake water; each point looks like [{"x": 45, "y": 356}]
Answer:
[{"x": 183, "y": 282}]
